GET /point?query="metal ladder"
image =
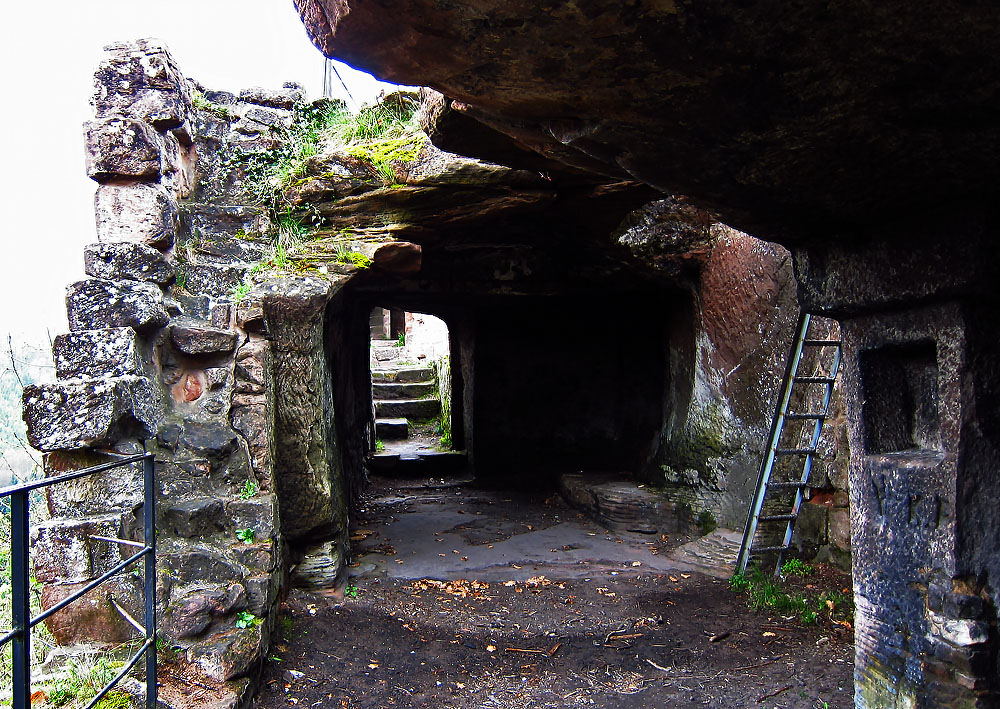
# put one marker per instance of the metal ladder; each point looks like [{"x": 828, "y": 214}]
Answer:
[{"x": 766, "y": 487}]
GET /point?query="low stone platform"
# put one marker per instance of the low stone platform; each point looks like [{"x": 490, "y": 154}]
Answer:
[{"x": 621, "y": 504}]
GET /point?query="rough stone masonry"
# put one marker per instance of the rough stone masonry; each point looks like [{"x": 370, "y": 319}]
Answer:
[{"x": 248, "y": 375}]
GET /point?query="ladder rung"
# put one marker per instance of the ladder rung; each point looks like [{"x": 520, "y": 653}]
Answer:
[
  {"x": 807, "y": 415},
  {"x": 815, "y": 380},
  {"x": 764, "y": 550},
  {"x": 776, "y": 518},
  {"x": 821, "y": 343},
  {"x": 794, "y": 451},
  {"x": 790, "y": 485}
]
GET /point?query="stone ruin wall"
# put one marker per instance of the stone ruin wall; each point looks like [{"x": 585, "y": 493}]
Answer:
[{"x": 235, "y": 394}]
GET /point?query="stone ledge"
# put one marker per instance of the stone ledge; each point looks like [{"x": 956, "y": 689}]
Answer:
[
  {"x": 97, "y": 304},
  {"x": 93, "y": 354},
  {"x": 78, "y": 414}
]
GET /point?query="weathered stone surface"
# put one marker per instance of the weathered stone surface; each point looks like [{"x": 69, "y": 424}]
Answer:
[
  {"x": 112, "y": 352},
  {"x": 121, "y": 147},
  {"x": 211, "y": 440},
  {"x": 93, "y": 495},
  {"x": 97, "y": 304},
  {"x": 199, "y": 565},
  {"x": 92, "y": 619},
  {"x": 225, "y": 230},
  {"x": 319, "y": 567},
  {"x": 198, "y": 338},
  {"x": 286, "y": 98},
  {"x": 192, "y": 614},
  {"x": 79, "y": 414},
  {"x": 230, "y": 653},
  {"x": 180, "y": 160},
  {"x": 196, "y": 517},
  {"x": 145, "y": 213},
  {"x": 259, "y": 514},
  {"x": 62, "y": 550},
  {"x": 408, "y": 408},
  {"x": 252, "y": 409},
  {"x": 214, "y": 280},
  {"x": 310, "y": 484},
  {"x": 621, "y": 504},
  {"x": 749, "y": 108},
  {"x": 118, "y": 261},
  {"x": 398, "y": 257},
  {"x": 437, "y": 167},
  {"x": 139, "y": 79}
]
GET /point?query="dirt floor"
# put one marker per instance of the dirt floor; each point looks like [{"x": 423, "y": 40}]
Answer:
[{"x": 470, "y": 598}]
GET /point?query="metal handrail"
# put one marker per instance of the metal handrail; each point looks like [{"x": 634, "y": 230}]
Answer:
[{"x": 22, "y": 623}]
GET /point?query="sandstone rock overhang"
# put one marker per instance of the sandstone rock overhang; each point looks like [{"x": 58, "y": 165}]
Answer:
[{"x": 792, "y": 121}]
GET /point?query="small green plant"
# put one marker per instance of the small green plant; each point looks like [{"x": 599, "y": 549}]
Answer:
[
  {"x": 246, "y": 619},
  {"x": 181, "y": 279},
  {"x": 763, "y": 592},
  {"x": 203, "y": 104},
  {"x": 250, "y": 488},
  {"x": 706, "y": 522},
  {"x": 240, "y": 292},
  {"x": 401, "y": 339},
  {"x": 351, "y": 591},
  {"x": 739, "y": 583},
  {"x": 247, "y": 536},
  {"x": 352, "y": 258},
  {"x": 379, "y": 445},
  {"x": 796, "y": 567}
]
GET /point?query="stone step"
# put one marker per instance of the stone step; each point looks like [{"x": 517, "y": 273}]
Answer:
[
  {"x": 403, "y": 374},
  {"x": 415, "y": 465},
  {"x": 408, "y": 408},
  {"x": 399, "y": 390},
  {"x": 391, "y": 429}
]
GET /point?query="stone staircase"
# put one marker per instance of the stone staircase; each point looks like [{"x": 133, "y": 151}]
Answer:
[
  {"x": 400, "y": 393},
  {"x": 403, "y": 394}
]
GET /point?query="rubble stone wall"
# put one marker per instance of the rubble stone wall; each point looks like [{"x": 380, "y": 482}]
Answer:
[{"x": 227, "y": 388}]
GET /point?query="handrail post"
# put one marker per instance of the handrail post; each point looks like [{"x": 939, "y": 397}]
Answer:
[
  {"x": 149, "y": 524},
  {"x": 21, "y": 644}
]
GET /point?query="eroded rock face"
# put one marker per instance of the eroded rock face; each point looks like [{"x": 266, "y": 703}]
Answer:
[{"x": 778, "y": 117}]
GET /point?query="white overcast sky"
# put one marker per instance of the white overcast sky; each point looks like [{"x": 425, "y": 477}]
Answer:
[{"x": 48, "y": 52}]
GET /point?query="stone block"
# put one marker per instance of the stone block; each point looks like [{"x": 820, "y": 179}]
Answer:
[
  {"x": 81, "y": 414},
  {"x": 262, "y": 557},
  {"x": 962, "y": 633},
  {"x": 199, "y": 565},
  {"x": 92, "y": 618},
  {"x": 214, "y": 280},
  {"x": 62, "y": 549},
  {"x": 127, "y": 261},
  {"x": 142, "y": 212},
  {"x": 398, "y": 257},
  {"x": 198, "y": 338},
  {"x": 92, "y": 354},
  {"x": 93, "y": 495},
  {"x": 262, "y": 592},
  {"x": 120, "y": 147},
  {"x": 192, "y": 614},
  {"x": 194, "y": 518},
  {"x": 285, "y": 98},
  {"x": 210, "y": 440},
  {"x": 141, "y": 80},
  {"x": 98, "y": 304},
  {"x": 179, "y": 165},
  {"x": 961, "y": 605},
  {"x": 230, "y": 653},
  {"x": 840, "y": 528},
  {"x": 226, "y": 230},
  {"x": 259, "y": 513}
]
